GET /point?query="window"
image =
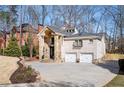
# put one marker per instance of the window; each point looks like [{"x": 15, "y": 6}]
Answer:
[
  {"x": 91, "y": 41},
  {"x": 72, "y": 30},
  {"x": 52, "y": 40},
  {"x": 77, "y": 43}
]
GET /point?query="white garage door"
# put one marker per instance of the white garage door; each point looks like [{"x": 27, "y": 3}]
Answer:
[
  {"x": 70, "y": 57},
  {"x": 87, "y": 58}
]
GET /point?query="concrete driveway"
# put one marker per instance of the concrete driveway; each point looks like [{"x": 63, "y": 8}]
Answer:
[{"x": 76, "y": 74}]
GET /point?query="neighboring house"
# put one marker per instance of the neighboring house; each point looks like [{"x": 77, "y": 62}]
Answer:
[
  {"x": 67, "y": 45},
  {"x": 27, "y": 30},
  {"x": 25, "y": 35}
]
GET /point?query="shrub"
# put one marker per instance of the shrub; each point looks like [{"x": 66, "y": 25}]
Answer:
[
  {"x": 12, "y": 48},
  {"x": 1, "y": 51},
  {"x": 24, "y": 75},
  {"x": 121, "y": 66},
  {"x": 34, "y": 52},
  {"x": 26, "y": 51}
]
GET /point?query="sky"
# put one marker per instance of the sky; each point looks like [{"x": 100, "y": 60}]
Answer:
[{"x": 97, "y": 16}]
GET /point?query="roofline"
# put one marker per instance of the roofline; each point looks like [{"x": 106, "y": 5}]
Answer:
[
  {"x": 82, "y": 37},
  {"x": 43, "y": 30}
]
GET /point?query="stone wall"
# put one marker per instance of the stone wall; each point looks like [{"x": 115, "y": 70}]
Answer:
[
  {"x": 41, "y": 44},
  {"x": 44, "y": 45}
]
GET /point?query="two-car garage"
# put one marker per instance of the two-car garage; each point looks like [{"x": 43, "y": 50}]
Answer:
[
  {"x": 70, "y": 57},
  {"x": 83, "y": 57},
  {"x": 86, "y": 58}
]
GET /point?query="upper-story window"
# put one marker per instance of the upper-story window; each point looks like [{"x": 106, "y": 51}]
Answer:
[
  {"x": 70, "y": 30},
  {"x": 91, "y": 41},
  {"x": 52, "y": 40},
  {"x": 77, "y": 43}
]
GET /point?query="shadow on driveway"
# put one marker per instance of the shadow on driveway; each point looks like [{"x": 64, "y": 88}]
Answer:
[{"x": 111, "y": 65}]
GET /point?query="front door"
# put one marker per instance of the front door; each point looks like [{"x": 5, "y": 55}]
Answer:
[{"x": 52, "y": 52}]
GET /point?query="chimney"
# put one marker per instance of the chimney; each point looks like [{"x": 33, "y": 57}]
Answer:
[{"x": 40, "y": 27}]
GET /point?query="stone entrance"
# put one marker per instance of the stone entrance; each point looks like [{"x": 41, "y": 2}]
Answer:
[{"x": 49, "y": 46}]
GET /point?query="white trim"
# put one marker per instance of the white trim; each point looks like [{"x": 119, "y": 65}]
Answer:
[
  {"x": 86, "y": 54},
  {"x": 67, "y": 53}
]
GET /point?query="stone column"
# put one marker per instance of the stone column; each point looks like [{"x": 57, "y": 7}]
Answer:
[
  {"x": 57, "y": 49},
  {"x": 41, "y": 45},
  {"x": 60, "y": 49}
]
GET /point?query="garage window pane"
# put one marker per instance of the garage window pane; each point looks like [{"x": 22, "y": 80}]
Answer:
[
  {"x": 77, "y": 43},
  {"x": 80, "y": 43}
]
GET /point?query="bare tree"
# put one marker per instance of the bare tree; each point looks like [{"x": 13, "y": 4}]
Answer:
[
  {"x": 33, "y": 20},
  {"x": 117, "y": 14}
]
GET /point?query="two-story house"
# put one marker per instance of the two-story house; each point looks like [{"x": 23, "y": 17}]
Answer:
[{"x": 67, "y": 45}]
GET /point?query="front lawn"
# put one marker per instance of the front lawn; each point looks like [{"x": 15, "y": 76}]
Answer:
[
  {"x": 118, "y": 81},
  {"x": 114, "y": 56}
]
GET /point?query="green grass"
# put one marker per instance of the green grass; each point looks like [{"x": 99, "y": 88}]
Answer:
[{"x": 118, "y": 81}]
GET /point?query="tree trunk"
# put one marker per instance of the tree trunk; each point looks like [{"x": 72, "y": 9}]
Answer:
[
  {"x": 31, "y": 48},
  {"x": 21, "y": 30}
]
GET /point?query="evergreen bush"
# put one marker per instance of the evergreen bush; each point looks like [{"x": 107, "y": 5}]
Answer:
[
  {"x": 12, "y": 48},
  {"x": 26, "y": 51},
  {"x": 1, "y": 51}
]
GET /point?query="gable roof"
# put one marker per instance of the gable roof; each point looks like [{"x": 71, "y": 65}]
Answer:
[
  {"x": 26, "y": 27},
  {"x": 52, "y": 28},
  {"x": 55, "y": 29},
  {"x": 58, "y": 30},
  {"x": 63, "y": 32}
]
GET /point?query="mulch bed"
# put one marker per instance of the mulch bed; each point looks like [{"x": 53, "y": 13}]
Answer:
[{"x": 23, "y": 74}]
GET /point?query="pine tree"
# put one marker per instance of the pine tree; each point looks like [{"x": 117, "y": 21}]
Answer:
[{"x": 12, "y": 48}]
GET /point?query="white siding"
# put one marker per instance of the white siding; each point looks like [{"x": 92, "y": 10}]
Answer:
[
  {"x": 100, "y": 49},
  {"x": 97, "y": 48},
  {"x": 86, "y": 48}
]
